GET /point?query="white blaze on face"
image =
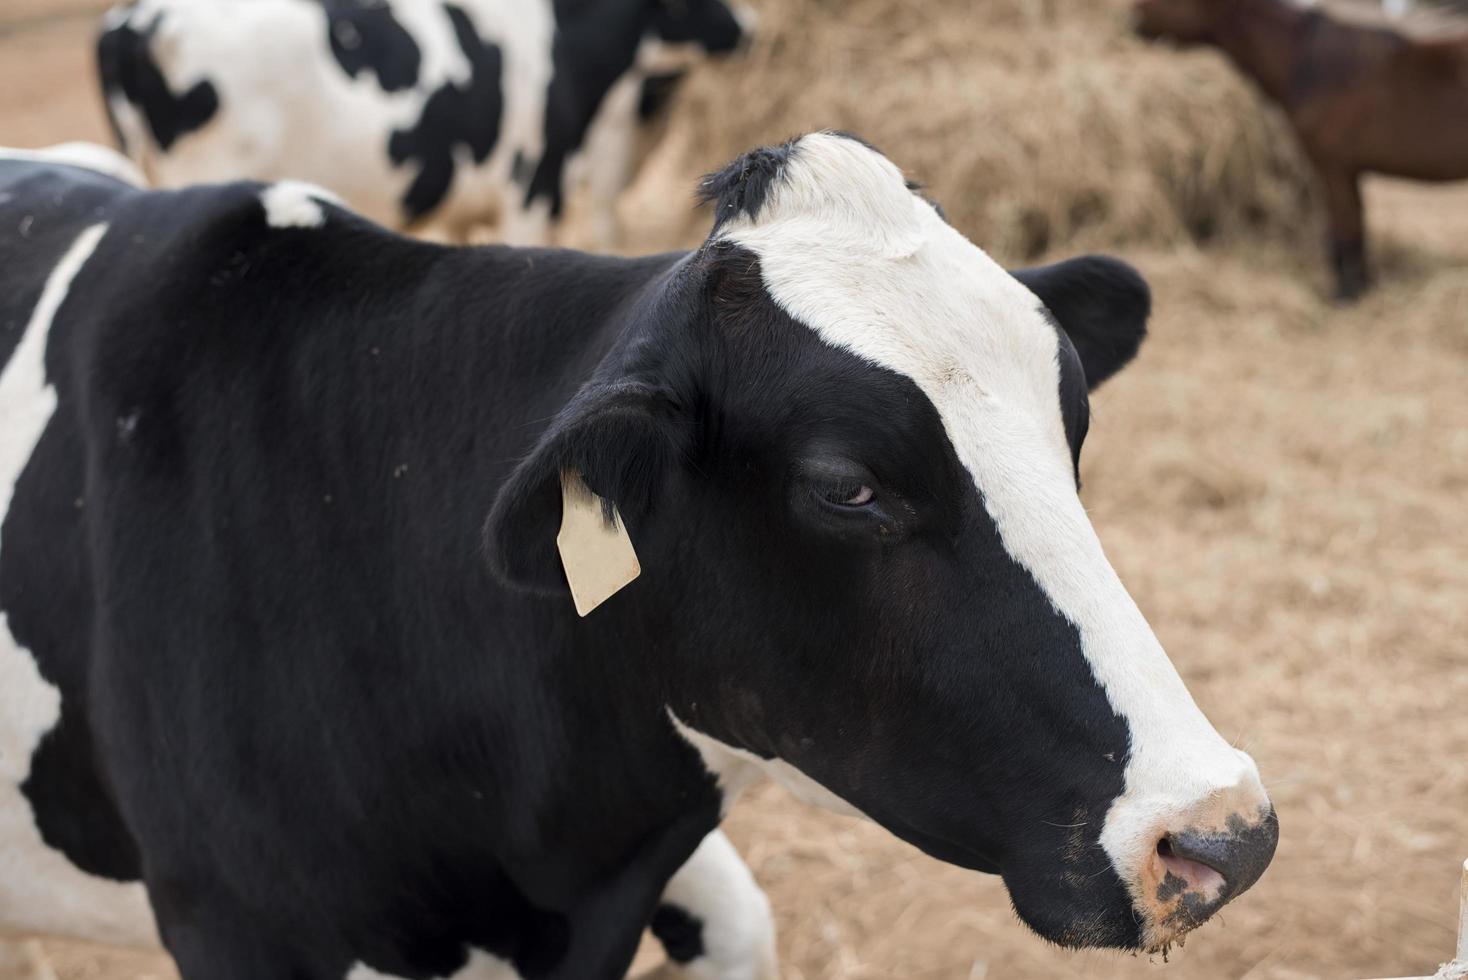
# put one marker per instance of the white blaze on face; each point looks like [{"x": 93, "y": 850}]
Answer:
[
  {"x": 848, "y": 250},
  {"x": 40, "y": 890}
]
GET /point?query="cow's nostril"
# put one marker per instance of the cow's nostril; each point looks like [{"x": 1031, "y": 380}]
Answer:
[
  {"x": 1186, "y": 873},
  {"x": 1217, "y": 865}
]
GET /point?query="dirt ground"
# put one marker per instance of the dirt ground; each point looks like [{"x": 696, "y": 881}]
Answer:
[{"x": 1281, "y": 484}]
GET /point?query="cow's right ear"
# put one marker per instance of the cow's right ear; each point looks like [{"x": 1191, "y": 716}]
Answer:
[{"x": 621, "y": 437}]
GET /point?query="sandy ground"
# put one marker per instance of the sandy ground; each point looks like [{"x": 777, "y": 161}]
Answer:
[{"x": 1281, "y": 485}]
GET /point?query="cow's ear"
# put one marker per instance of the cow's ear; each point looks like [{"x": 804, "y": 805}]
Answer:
[
  {"x": 1102, "y": 304},
  {"x": 620, "y": 437}
]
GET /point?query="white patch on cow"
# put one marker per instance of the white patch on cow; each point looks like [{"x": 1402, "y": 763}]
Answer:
[
  {"x": 737, "y": 769},
  {"x": 481, "y": 966},
  {"x": 716, "y": 887},
  {"x": 294, "y": 204},
  {"x": 89, "y": 156},
  {"x": 604, "y": 164},
  {"x": 40, "y": 890},
  {"x": 260, "y": 55},
  {"x": 849, "y": 251}
]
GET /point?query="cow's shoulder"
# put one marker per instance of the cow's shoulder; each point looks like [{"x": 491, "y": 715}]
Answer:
[{"x": 47, "y": 202}]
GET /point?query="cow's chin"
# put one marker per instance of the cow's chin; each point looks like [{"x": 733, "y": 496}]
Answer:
[{"x": 1077, "y": 913}]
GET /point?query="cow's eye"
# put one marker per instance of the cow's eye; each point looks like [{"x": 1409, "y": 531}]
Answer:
[{"x": 849, "y": 494}]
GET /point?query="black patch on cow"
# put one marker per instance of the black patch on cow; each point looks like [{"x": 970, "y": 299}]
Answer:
[
  {"x": 740, "y": 189},
  {"x": 452, "y": 117},
  {"x": 657, "y": 93},
  {"x": 594, "y": 45},
  {"x": 680, "y": 932},
  {"x": 365, "y": 35},
  {"x": 126, "y": 66},
  {"x": 521, "y": 171},
  {"x": 710, "y": 24}
]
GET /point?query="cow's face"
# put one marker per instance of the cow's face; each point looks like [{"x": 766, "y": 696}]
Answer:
[
  {"x": 1179, "y": 21},
  {"x": 845, "y": 443}
]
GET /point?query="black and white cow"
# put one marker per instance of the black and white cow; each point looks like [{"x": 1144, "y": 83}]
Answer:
[
  {"x": 287, "y": 639},
  {"x": 422, "y": 114}
]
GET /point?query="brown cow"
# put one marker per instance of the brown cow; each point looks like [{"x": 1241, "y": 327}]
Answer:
[{"x": 1362, "y": 99}]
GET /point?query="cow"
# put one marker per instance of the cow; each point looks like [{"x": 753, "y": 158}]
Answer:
[
  {"x": 374, "y": 607},
  {"x": 435, "y": 117},
  {"x": 1360, "y": 100}
]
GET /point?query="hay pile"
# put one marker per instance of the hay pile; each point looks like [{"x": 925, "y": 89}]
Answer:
[{"x": 1035, "y": 123}]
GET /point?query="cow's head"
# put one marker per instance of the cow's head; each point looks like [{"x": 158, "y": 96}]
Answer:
[
  {"x": 845, "y": 442},
  {"x": 1180, "y": 21}
]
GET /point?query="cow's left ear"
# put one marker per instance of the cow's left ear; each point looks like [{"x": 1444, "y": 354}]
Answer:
[
  {"x": 1102, "y": 304},
  {"x": 620, "y": 437}
]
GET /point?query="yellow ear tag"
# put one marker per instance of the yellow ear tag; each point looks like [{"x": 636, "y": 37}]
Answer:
[{"x": 598, "y": 557}]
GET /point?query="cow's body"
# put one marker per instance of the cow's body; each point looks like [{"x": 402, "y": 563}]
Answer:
[
  {"x": 286, "y": 640},
  {"x": 436, "y": 117},
  {"x": 328, "y": 749}
]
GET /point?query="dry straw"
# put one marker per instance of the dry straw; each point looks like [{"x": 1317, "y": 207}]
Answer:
[{"x": 1034, "y": 123}]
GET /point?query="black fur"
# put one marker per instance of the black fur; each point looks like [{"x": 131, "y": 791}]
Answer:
[
  {"x": 250, "y": 550},
  {"x": 1103, "y": 304},
  {"x": 657, "y": 94},
  {"x": 453, "y": 116},
  {"x": 366, "y": 36},
  {"x": 740, "y": 189},
  {"x": 680, "y": 933},
  {"x": 595, "y": 45},
  {"x": 126, "y": 66}
]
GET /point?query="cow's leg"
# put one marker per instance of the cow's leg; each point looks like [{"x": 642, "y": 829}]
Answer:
[
  {"x": 1347, "y": 233},
  {"x": 714, "y": 921},
  {"x": 609, "y": 155}
]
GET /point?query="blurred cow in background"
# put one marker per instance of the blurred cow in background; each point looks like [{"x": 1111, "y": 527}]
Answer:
[
  {"x": 426, "y": 116},
  {"x": 1360, "y": 99}
]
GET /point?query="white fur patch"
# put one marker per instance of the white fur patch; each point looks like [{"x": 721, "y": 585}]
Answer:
[
  {"x": 736, "y": 770},
  {"x": 40, "y": 890},
  {"x": 293, "y": 204},
  {"x": 481, "y": 966},
  {"x": 849, "y": 251},
  {"x": 715, "y": 886},
  {"x": 89, "y": 156}
]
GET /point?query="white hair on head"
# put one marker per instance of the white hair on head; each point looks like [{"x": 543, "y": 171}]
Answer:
[{"x": 839, "y": 192}]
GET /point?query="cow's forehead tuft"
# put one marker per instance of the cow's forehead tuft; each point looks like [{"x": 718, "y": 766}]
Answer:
[{"x": 837, "y": 185}]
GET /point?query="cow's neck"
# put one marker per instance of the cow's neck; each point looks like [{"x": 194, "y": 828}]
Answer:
[{"x": 1265, "y": 39}]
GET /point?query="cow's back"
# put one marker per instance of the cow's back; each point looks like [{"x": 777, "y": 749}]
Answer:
[{"x": 413, "y": 111}]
